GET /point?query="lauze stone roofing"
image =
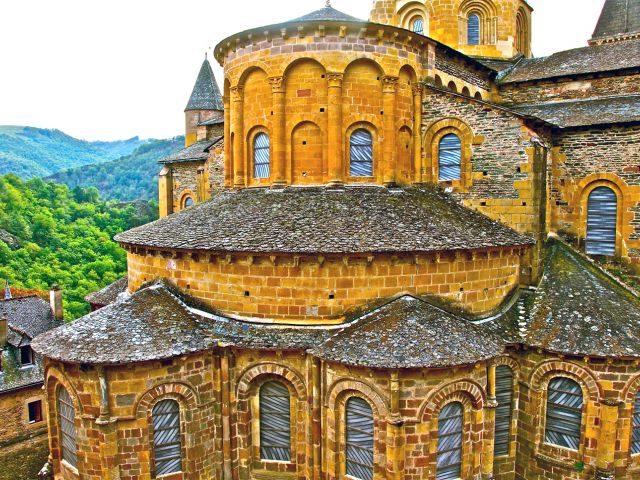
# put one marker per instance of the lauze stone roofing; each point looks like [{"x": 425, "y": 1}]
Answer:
[
  {"x": 619, "y": 17},
  {"x": 197, "y": 152},
  {"x": 206, "y": 93},
  {"x": 316, "y": 220},
  {"x": 108, "y": 294}
]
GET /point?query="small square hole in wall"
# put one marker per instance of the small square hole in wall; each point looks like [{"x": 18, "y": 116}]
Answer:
[
  {"x": 332, "y": 296},
  {"x": 247, "y": 294},
  {"x": 519, "y": 170},
  {"x": 483, "y": 204},
  {"x": 271, "y": 113},
  {"x": 304, "y": 142},
  {"x": 322, "y": 110},
  {"x": 188, "y": 286},
  {"x": 485, "y": 174},
  {"x": 524, "y": 204},
  {"x": 381, "y": 112},
  {"x": 322, "y": 76},
  {"x": 35, "y": 411}
]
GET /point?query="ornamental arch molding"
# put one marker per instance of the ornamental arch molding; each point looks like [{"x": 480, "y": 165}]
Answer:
[
  {"x": 468, "y": 392},
  {"x": 55, "y": 377},
  {"x": 274, "y": 371},
  {"x": 343, "y": 386},
  {"x": 546, "y": 370},
  {"x": 182, "y": 392}
]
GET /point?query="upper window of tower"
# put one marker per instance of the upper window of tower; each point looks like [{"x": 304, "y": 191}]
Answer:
[
  {"x": 261, "y": 156},
  {"x": 473, "y": 29},
  {"x": 361, "y": 153},
  {"x": 417, "y": 25}
]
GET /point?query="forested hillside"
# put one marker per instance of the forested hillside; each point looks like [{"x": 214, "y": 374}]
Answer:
[
  {"x": 51, "y": 234},
  {"x": 34, "y": 152},
  {"x": 129, "y": 178}
]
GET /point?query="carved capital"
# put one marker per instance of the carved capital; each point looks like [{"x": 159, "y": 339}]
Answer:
[
  {"x": 335, "y": 79},
  {"x": 417, "y": 89},
  {"x": 389, "y": 84},
  {"x": 277, "y": 84},
  {"x": 611, "y": 402},
  {"x": 237, "y": 93}
]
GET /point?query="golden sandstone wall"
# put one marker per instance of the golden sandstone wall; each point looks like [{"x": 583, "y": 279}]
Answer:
[{"x": 14, "y": 414}]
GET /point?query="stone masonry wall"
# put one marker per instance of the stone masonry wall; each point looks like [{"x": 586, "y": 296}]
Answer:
[{"x": 14, "y": 415}]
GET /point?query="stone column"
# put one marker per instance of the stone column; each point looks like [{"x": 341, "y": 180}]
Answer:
[
  {"x": 316, "y": 416},
  {"x": 418, "y": 89},
  {"x": 165, "y": 189},
  {"x": 237, "y": 128},
  {"x": 228, "y": 166},
  {"x": 489, "y": 425},
  {"x": 395, "y": 432},
  {"x": 110, "y": 470},
  {"x": 605, "y": 456},
  {"x": 201, "y": 184},
  {"x": 335, "y": 147},
  {"x": 389, "y": 150},
  {"x": 225, "y": 385},
  {"x": 279, "y": 141}
]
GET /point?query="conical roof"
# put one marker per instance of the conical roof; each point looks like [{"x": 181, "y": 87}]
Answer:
[
  {"x": 618, "y": 17},
  {"x": 206, "y": 93},
  {"x": 328, "y": 14}
]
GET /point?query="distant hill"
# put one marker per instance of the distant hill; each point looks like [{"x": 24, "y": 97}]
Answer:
[
  {"x": 35, "y": 152},
  {"x": 132, "y": 177}
]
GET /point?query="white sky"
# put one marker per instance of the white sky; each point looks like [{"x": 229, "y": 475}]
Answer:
[{"x": 113, "y": 69}]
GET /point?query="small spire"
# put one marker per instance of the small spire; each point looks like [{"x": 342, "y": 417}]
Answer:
[
  {"x": 206, "y": 55},
  {"x": 7, "y": 291},
  {"x": 328, "y": 3}
]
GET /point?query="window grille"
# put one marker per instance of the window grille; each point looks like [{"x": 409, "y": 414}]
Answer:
[
  {"x": 261, "y": 156},
  {"x": 564, "y": 413},
  {"x": 504, "y": 396},
  {"x": 450, "y": 426},
  {"x": 275, "y": 422},
  {"x": 359, "y": 439},
  {"x": 473, "y": 29},
  {"x": 167, "y": 440},
  {"x": 635, "y": 441},
  {"x": 449, "y": 158},
  {"x": 602, "y": 219},
  {"x": 66, "y": 423},
  {"x": 418, "y": 26},
  {"x": 361, "y": 153}
]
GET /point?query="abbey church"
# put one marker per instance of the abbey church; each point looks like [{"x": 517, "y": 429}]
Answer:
[{"x": 380, "y": 256}]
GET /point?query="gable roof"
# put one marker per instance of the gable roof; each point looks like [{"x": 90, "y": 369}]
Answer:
[
  {"x": 27, "y": 316},
  {"x": 618, "y": 18},
  {"x": 206, "y": 93},
  {"x": 108, "y": 294},
  {"x": 199, "y": 151}
]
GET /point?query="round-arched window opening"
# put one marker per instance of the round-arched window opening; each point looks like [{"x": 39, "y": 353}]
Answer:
[
  {"x": 188, "y": 202},
  {"x": 417, "y": 25}
]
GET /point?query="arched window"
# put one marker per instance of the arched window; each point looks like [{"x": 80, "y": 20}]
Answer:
[
  {"x": 504, "y": 396},
  {"x": 449, "y": 158},
  {"x": 473, "y": 29},
  {"x": 417, "y": 25},
  {"x": 450, "y": 426},
  {"x": 635, "y": 440},
  {"x": 261, "y": 156},
  {"x": 361, "y": 154},
  {"x": 478, "y": 96},
  {"x": 602, "y": 219},
  {"x": 275, "y": 422},
  {"x": 564, "y": 413},
  {"x": 67, "y": 425},
  {"x": 359, "y": 439},
  {"x": 167, "y": 440},
  {"x": 188, "y": 202}
]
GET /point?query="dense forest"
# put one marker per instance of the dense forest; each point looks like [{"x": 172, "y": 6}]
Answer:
[
  {"x": 52, "y": 234},
  {"x": 132, "y": 177},
  {"x": 35, "y": 152}
]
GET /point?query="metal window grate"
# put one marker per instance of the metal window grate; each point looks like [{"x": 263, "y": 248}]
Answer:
[
  {"x": 275, "y": 422},
  {"x": 473, "y": 29},
  {"x": 418, "y": 26},
  {"x": 450, "y": 425},
  {"x": 504, "y": 396},
  {"x": 635, "y": 441},
  {"x": 261, "y": 156},
  {"x": 602, "y": 221},
  {"x": 449, "y": 158},
  {"x": 66, "y": 421},
  {"x": 167, "y": 441},
  {"x": 359, "y": 439},
  {"x": 564, "y": 413},
  {"x": 361, "y": 154}
]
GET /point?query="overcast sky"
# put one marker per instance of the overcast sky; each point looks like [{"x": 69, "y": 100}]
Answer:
[{"x": 106, "y": 70}]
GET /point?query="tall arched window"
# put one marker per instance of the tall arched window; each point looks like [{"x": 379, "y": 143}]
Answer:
[
  {"x": 602, "y": 219},
  {"x": 449, "y": 158},
  {"x": 450, "y": 427},
  {"x": 261, "y": 156},
  {"x": 417, "y": 25},
  {"x": 564, "y": 413},
  {"x": 275, "y": 422},
  {"x": 473, "y": 29},
  {"x": 167, "y": 440},
  {"x": 67, "y": 426},
  {"x": 359, "y": 441},
  {"x": 635, "y": 440},
  {"x": 361, "y": 161},
  {"x": 504, "y": 396}
]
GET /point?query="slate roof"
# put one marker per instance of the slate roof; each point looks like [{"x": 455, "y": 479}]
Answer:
[
  {"x": 580, "y": 61},
  {"x": 593, "y": 111},
  {"x": 576, "y": 310},
  {"x": 108, "y": 294},
  {"x": 316, "y": 220},
  {"x": 211, "y": 121},
  {"x": 618, "y": 17},
  {"x": 206, "y": 93},
  {"x": 328, "y": 14},
  {"x": 410, "y": 333},
  {"x": 199, "y": 151}
]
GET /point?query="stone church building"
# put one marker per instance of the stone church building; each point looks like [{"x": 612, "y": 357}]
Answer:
[{"x": 378, "y": 258}]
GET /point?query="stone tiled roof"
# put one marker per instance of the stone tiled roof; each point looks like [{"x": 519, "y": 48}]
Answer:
[
  {"x": 593, "y": 111},
  {"x": 410, "y": 333},
  {"x": 316, "y": 220},
  {"x": 150, "y": 325},
  {"x": 206, "y": 93},
  {"x": 580, "y": 61},
  {"x": 108, "y": 294},
  {"x": 14, "y": 378},
  {"x": 619, "y": 17},
  {"x": 199, "y": 151},
  {"x": 329, "y": 14},
  {"x": 577, "y": 310},
  {"x": 211, "y": 121},
  {"x": 29, "y": 316}
]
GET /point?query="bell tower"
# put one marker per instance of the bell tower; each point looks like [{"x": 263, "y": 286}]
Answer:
[{"x": 479, "y": 28}]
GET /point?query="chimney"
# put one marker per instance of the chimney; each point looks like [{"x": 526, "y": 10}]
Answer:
[
  {"x": 3, "y": 332},
  {"x": 55, "y": 300},
  {"x": 7, "y": 291}
]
